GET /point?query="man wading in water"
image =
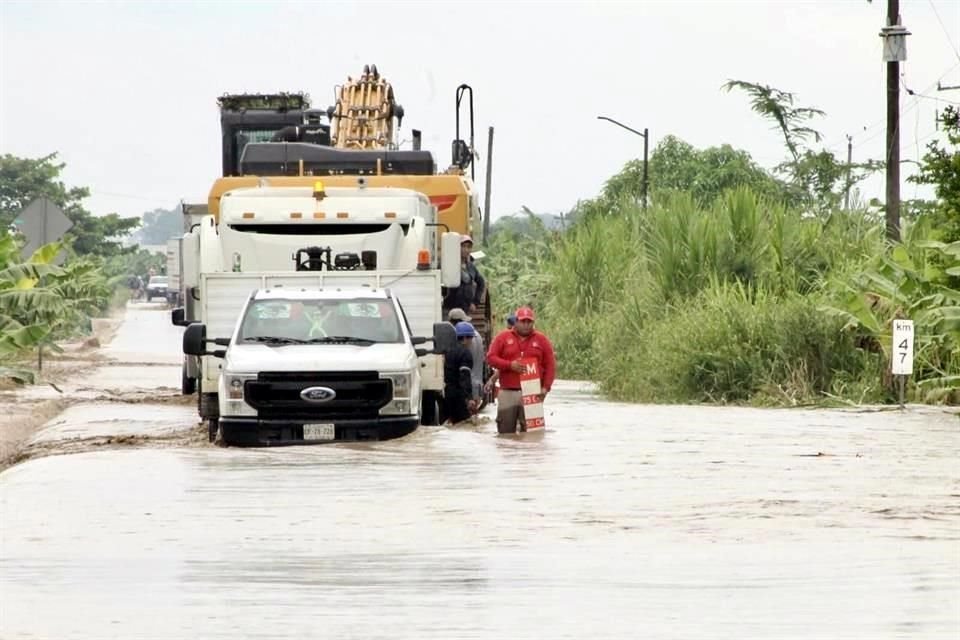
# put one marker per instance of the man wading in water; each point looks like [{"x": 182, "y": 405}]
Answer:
[
  {"x": 506, "y": 350},
  {"x": 458, "y": 403}
]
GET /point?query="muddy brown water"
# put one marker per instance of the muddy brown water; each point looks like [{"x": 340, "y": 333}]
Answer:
[{"x": 621, "y": 521}]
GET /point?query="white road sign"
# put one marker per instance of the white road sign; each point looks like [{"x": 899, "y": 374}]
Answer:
[{"x": 902, "y": 347}]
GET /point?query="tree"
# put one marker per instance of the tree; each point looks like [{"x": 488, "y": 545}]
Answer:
[
  {"x": 22, "y": 180},
  {"x": 708, "y": 173},
  {"x": 677, "y": 166},
  {"x": 941, "y": 168},
  {"x": 778, "y": 106},
  {"x": 817, "y": 179},
  {"x": 160, "y": 225}
]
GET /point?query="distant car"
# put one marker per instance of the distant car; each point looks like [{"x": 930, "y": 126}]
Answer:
[{"x": 157, "y": 287}]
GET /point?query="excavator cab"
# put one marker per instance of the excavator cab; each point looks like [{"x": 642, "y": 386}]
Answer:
[
  {"x": 280, "y": 135},
  {"x": 256, "y": 118}
]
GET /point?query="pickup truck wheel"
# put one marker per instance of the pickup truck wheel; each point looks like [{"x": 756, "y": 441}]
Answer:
[
  {"x": 429, "y": 409},
  {"x": 212, "y": 428},
  {"x": 208, "y": 406}
]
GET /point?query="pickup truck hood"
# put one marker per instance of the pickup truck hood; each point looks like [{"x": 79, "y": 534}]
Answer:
[{"x": 252, "y": 358}]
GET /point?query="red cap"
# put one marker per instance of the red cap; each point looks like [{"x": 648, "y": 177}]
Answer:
[{"x": 524, "y": 313}]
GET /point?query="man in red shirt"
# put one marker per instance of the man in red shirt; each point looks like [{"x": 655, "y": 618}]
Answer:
[{"x": 504, "y": 354}]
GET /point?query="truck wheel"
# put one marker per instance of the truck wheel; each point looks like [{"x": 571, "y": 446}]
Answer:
[
  {"x": 429, "y": 409},
  {"x": 187, "y": 384},
  {"x": 212, "y": 428},
  {"x": 208, "y": 406}
]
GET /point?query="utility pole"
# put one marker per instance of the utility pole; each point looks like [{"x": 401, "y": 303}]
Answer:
[
  {"x": 646, "y": 179},
  {"x": 486, "y": 200},
  {"x": 894, "y": 51},
  {"x": 846, "y": 196}
]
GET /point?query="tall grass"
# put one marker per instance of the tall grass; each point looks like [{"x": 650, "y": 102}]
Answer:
[
  {"x": 740, "y": 300},
  {"x": 729, "y": 343}
]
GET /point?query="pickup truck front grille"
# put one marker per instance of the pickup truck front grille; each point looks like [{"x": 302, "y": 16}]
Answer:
[{"x": 359, "y": 394}]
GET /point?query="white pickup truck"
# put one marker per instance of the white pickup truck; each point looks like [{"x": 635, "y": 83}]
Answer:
[{"x": 315, "y": 357}]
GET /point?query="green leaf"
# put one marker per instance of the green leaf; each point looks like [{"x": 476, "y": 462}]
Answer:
[
  {"x": 46, "y": 254},
  {"x": 931, "y": 244},
  {"x": 22, "y": 339},
  {"x": 20, "y": 376}
]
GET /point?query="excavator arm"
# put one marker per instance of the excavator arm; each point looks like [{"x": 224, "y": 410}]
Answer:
[{"x": 362, "y": 117}]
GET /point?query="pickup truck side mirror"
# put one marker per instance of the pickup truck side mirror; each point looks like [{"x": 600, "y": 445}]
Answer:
[
  {"x": 177, "y": 317},
  {"x": 422, "y": 352},
  {"x": 450, "y": 259},
  {"x": 444, "y": 337},
  {"x": 195, "y": 341},
  {"x": 419, "y": 340}
]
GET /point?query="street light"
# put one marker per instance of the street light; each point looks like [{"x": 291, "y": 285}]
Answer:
[{"x": 646, "y": 141}]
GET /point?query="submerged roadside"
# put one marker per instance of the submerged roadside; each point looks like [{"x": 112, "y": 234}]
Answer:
[{"x": 28, "y": 407}]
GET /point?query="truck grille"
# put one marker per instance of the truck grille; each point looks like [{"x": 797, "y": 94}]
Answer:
[{"x": 276, "y": 395}]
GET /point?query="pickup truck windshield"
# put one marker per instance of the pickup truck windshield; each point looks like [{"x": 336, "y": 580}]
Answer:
[{"x": 358, "y": 320}]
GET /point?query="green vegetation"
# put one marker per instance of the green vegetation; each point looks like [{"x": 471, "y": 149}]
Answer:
[
  {"x": 22, "y": 180},
  {"x": 160, "y": 225},
  {"x": 40, "y": 302},
  {"x": 744, "y": 286}
]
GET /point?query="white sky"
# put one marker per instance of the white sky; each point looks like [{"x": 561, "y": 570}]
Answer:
[{"x": 126, "y": 92}]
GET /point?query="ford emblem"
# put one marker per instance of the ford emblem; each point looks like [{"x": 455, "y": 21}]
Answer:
[{"x": 318, "y": 394}]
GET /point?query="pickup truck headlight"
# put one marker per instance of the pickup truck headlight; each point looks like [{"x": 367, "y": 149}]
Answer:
[
  {"x": 233, "y": 401},
  {"x": 233, "y": 384},
  {"x": 405, "y": 397},
  {"x": 401, "y": 383}
]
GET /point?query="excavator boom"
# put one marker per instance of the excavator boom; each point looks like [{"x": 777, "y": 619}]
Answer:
[{"x": 362, "y": 117}]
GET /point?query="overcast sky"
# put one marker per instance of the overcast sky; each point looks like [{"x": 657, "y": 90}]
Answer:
[{"x": 126, "y": 91}]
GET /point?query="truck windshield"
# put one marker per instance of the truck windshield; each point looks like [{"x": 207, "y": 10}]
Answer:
[{"x": 356, "y": 320}]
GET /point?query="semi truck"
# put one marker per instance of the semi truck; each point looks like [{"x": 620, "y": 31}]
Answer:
[{"x": 300, "y": 195}]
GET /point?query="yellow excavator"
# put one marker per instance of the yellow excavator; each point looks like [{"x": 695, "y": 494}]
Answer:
[{"x": 279, "y": 140}]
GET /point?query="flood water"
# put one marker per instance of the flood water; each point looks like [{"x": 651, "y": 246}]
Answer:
[{"x": 622, "y": 521}]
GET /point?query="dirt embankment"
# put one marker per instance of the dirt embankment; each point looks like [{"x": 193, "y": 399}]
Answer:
[{"x": 26, "y": 408}]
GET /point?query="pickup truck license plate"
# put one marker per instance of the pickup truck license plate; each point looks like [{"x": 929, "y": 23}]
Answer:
[{"x": 318, "y": 432}]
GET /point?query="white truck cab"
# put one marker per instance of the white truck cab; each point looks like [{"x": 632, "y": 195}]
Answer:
[
  {"x": 314, "y": 237},
  {"x": 310, "y": 365}
]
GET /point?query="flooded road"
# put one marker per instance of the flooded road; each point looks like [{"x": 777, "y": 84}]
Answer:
[{"x": 622, "y": 521}]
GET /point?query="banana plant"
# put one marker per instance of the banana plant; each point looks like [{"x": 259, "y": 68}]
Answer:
[
  {"x": 911, "y": 280},
  {"x": 41, "y": 302}
]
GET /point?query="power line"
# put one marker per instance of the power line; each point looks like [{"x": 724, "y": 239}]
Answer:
[
  {"x": 128, "y": 196},
  {"x": 917, "y": 141},
  {"x": 843, "y": 140},
  {"x": 923, "y": 95},
  {"x": 910, "y": 107},
  {"x": 956, "y": 52}
]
